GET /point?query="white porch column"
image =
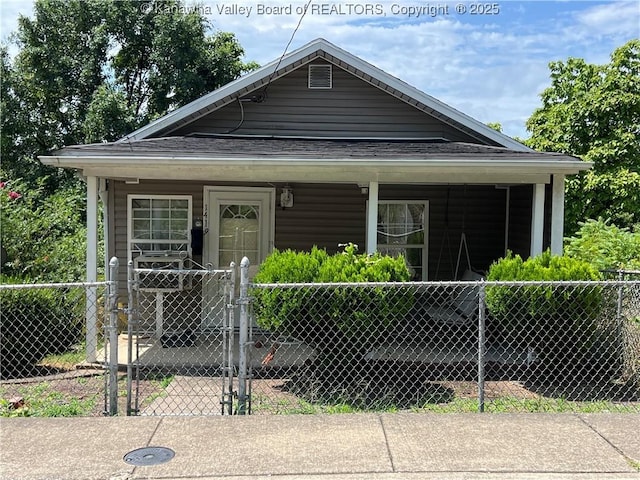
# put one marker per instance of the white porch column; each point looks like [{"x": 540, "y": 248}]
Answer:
[
  {"x": 91, "y": 308},
  {"x": 537, "y": 219},
  {"x": 557, "y": 214},
  {"x": 372, "y": 219}
]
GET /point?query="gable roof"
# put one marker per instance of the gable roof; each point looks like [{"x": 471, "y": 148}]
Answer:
[{"x": 321, "y": 48}]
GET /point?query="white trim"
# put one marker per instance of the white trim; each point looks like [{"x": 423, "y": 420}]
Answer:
[
  {"x": 108, "y": 161},
  {"x": 537, "y": 219},
  {"x": 134, "y": 196},
  {"x": 557, "y": 214},
  {"x": 213, "y": 198},
  {"x": 237, "y": 194},
  {"x": 425, "y": 245},
  {"x": 91, "y": 312},
  {"x": 372, "y": 219},
  {"x": 193, "y": 109}
]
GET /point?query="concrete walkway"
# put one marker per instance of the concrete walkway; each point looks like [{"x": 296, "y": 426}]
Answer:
[{"x": 352, "y": 447}]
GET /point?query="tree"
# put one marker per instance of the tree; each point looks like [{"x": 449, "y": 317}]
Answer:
[
  {"x": 593, "y": 112},
  {"x": 93, "y": 70}
]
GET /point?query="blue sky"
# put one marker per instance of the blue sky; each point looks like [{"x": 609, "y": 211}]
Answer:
[{"x": 487, "y": 59}]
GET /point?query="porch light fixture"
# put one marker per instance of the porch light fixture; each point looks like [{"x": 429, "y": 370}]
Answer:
[{"x": 286, "y": 197}]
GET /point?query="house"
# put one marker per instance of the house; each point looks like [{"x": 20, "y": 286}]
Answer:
[{"x": 321, "y": 148}]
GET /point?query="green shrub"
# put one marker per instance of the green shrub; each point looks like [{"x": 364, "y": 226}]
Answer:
[
  {"x": 35, "y": 323},
  {"x": 605, "y": 246},
  {"x": 322, "y": 317},
  {"x": 42, "y": 237},
  {"x": 557, "y": 321}
]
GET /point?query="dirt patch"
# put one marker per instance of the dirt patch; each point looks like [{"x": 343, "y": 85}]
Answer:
[{"x": 492, "y": 390}]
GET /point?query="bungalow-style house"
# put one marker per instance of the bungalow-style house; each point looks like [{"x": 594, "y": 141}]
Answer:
[{"x": 321, "y": 148}]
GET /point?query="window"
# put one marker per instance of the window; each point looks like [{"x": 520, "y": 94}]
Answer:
[
  {"x": 402, "y": 230},
  {"x": 159, "y": 224}
]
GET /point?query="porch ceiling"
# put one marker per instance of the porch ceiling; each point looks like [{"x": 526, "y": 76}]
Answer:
[{"x": 242, "y": 159}]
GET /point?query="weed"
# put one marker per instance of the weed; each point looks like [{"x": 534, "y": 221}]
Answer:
[{"x": 41, "y": 400}]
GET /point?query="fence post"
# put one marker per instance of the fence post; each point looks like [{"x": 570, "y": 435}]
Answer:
[
  {"x": 243, "y": 300},
  {"x": 228, "y": 340},
  {"x": 481, "y": 345},
  {"x": 620, "y": 322},
  {"x": 113, "y": 336},
  {"x": 130, "y": 329}
]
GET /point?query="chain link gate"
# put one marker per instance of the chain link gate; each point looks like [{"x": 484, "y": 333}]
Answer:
[{"x": 181, "y": 340}]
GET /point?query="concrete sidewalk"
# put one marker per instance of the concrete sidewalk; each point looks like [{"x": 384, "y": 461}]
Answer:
[{"x": 361, "y": 446}]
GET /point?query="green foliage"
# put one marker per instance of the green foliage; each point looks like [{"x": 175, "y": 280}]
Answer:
[
  {"x": 90, "y": 71},
  {"x": 559, "y": 321},
  {"x": 605, "y": 246},
  {"x": 96, "y": 69},
  {"x": 108, "y": 116},
  {"x": 36, "y": 323},
  {"x": 593, "y": 111},
  {"x": 323, "y": 316},
  {"x": 544, "y": 267},
  {"x": 44, "y": 239},
  {"x": 540, "y": 304}
]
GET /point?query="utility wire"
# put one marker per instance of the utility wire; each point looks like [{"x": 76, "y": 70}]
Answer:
[{"x": 304, "y": 12}]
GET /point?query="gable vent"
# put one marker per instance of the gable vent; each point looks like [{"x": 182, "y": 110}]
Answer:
[{"x": 320, "y": 76}]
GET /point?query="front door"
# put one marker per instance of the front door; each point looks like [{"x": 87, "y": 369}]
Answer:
[{"x": 239, "y": 223}]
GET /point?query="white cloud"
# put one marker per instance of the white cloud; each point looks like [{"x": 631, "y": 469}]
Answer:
[{"x": 619, "y": 19}]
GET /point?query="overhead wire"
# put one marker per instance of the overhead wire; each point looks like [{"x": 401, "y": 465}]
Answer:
[
  {"x": 263, "y": 95},
  {"x": 286, "y": 48}
]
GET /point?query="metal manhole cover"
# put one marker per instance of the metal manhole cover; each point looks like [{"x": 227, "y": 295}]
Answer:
[{"x": 149, "y": 456}]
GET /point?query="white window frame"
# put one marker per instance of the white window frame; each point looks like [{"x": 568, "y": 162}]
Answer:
[
  {"x": 425, "y": 245},
  {"x": 131, "y": 240}
]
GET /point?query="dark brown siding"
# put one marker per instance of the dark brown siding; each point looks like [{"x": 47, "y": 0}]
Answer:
[
  {"x": 330, "y": 214},
  {"x": 324, "y": 215},
  {"x": 352, "y": 108},
  {"x": 520, "y": 220},
  {"x": 478, "y": 211}
]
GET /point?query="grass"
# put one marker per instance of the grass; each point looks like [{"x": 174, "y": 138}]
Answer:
[
  {"x": 42, "y": 400},
  {"x": 65, "y": 361},
  {"x": 634, "y": 464},
  {"x": 263, "y": 405},
  {"x": 518, "y": 405}
]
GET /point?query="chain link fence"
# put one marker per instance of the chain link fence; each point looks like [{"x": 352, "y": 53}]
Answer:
[
  {"x": 446, "y": 346},
  {"x": 51, "y": 358},
  {"x": 180, "y": 342},
  {"x": 195, "y": 342}
]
